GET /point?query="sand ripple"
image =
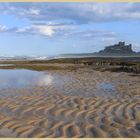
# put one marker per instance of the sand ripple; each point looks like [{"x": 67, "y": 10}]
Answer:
[{"x": 52, "y": 112}]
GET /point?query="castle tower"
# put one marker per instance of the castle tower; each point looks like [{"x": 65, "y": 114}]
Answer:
[
  {"x": 121, "y": 44},
  {"x": 129, "y": 46}
]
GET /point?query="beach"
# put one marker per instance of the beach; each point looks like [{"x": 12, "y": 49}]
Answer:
[
  {"x": 69, "y": 69},
  {"x": 81, "y": 102}
]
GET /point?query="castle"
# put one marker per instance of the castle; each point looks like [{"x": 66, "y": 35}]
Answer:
[{"x": 119, "y": 48}]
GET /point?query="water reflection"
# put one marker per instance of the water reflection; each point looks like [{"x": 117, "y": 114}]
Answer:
[
  {"x": 2, "y": 65},
  {"x": 106, "y": 86},
  {"x": 108, "y": 90},
  {"x": 45, "y": 80},
  {"x": 23, "y": 78}
]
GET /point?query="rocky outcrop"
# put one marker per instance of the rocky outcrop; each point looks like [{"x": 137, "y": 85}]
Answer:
[{"x": 118, "y": 49}]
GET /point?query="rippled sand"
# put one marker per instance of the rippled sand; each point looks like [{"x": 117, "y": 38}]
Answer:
[{"x": 78, "y": 107}]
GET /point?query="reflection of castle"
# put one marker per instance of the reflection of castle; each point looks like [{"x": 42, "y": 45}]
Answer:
[{"x": 118, "y": 48}]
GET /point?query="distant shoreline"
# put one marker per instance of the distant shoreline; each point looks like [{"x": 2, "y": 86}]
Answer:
[
  {"x": 115, "y": 64},
  {"x": 78, "y": 56}
]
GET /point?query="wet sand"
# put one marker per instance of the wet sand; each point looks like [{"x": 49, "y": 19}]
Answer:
[{"x": 77, "y": 103}]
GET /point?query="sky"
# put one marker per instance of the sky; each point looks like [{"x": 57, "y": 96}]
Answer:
[{"x": 42, "y": 29}]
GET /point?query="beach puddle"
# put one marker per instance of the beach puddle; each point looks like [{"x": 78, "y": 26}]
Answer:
[
  {"x": 22, "y": 78},
  {"x": 5, "y": 65},
  {"x": 106, "y": 86},
  {"x": 15, "y": 78},
  {"x": 107, "y": 89}
]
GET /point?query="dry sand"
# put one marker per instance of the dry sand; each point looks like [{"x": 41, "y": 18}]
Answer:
[{"x": 78, "y": 106}]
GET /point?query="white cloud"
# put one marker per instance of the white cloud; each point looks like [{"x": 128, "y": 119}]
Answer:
[
  {"x": 34, "y": 11},
  {"x": 66, "y": 31},
  {"x": 136, "y": 46},
  {"x": 76, "y": 12},
  {"x": 23, "y": 29},
  {"x": 45, "y": 30},
  {"x": 3, "y": 28}
]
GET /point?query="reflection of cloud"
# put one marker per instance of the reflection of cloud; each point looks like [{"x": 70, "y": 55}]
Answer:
[{"x": 45, "y": 80}]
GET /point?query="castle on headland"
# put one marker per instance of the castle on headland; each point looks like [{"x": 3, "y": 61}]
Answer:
[{"x": 119, "y": 48}]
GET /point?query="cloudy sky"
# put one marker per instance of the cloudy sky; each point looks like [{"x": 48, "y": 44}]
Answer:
[{"x": 38, "y": 29}]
